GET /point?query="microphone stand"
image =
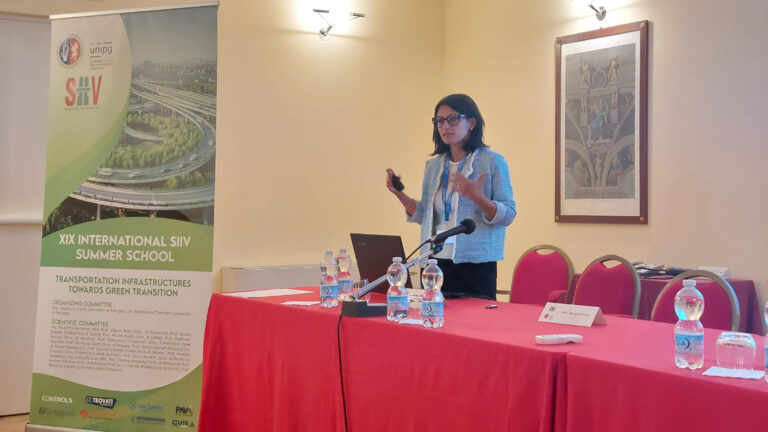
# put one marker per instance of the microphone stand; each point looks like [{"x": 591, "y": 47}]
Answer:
[{"x": 357, "y": 308}]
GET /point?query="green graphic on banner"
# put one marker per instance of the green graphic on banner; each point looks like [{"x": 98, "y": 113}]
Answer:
[
  {"x": 80, "y": 407},
  {"x": 127, "y": 240}
]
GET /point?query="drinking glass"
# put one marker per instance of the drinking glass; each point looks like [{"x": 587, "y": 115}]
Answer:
[
  {"x": 414, "y": 304},
  {"x": 735, "y": 350},
  {"x": 357, "y": 286}
]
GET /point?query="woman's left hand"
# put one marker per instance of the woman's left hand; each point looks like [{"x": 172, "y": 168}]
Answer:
[{"x": 471, "y": 189}]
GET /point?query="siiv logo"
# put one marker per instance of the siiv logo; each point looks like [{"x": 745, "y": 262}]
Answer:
[
  {"x": 82, "y": 91},
  {"x": 185, "y": 411},
  {"x": 101, "y": 401},
  {"x": 183, "y": 423},
  {"x": 69, "y": 51}
]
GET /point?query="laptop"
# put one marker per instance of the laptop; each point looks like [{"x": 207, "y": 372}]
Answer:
[{"x": 373, "y": 253}]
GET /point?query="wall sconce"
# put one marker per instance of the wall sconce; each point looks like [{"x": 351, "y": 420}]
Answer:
[
  {"x": 325, "y": 32},
  {"x": 599, "y": 11}
]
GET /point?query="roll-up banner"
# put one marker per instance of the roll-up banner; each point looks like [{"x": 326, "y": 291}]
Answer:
[{"x": 125, "y": 271}]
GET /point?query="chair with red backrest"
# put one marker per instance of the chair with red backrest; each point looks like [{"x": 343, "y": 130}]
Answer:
[
  {"x": 616, "y": 289},
  {"x": 721, "y": 309},
  {"x": 542, "y": 274}
]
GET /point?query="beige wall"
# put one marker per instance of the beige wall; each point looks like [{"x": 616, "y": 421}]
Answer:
[
  {"x": 708, "y": 186},
  {"x": 306, "y": 128}
]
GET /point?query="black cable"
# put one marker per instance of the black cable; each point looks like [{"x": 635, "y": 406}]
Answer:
[
  {"x": 341, "y": 373},
  {"x": 414, "y": 251}
]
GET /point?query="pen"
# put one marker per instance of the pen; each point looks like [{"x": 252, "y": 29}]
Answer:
[{"x": 491, "y": 307}]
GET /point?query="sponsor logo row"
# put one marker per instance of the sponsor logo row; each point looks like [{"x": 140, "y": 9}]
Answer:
[{"x": 110, "y": 403}]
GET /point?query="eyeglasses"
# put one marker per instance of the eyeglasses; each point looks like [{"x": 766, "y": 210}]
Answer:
[{"x": 452, "y": 120}]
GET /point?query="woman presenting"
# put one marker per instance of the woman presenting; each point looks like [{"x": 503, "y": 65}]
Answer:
[{"x": 463, "y": 180}]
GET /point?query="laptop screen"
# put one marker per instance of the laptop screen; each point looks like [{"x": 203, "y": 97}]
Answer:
[{"x": 373, "y": 253}]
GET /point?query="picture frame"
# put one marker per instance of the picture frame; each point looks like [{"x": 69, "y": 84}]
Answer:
[{"x": 601, "y": 126}]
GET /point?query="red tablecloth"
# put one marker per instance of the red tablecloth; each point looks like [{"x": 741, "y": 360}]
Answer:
[
  {"x": 751, "y": 311},
  {"x": 271, "y": 367},
  {"x": 618, "y": 381},
  {"x": 268, "y": 368},
  {"x": 481, "y": 372}
]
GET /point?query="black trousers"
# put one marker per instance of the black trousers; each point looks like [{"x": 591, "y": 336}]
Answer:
[{"x": 468, "y": 279}]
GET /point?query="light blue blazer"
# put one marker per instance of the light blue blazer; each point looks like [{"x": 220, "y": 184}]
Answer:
[{"x": 487, "y": 242}]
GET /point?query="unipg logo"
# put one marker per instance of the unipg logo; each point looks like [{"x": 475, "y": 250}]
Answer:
[
  {"x": 101, "y": 401},
  {"x": 69, "y": 51}
]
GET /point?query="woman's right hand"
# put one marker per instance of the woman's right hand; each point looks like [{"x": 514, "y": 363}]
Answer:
[
  {"x": 390, "y": 185},
  {"x": 408, "y": 202}
]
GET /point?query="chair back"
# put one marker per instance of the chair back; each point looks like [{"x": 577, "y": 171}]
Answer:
[
  {"x": 721, "y": 309},
  {"x": 541, "y": 271},
  {"x": 616, "y": 290}
]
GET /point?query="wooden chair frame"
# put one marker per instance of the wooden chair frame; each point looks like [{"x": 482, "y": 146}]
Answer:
[{"x": 689, "y": 274}]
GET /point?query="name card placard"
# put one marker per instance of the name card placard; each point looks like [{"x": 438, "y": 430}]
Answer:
[{"x": 569, "y": 314}]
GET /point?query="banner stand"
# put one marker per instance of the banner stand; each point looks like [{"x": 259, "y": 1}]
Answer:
[{"x": 128, "y": 215}]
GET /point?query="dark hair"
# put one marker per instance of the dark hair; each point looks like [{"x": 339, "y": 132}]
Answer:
[{"x": 462, "y": 104}]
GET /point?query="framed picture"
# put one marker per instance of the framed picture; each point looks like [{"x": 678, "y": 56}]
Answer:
[{"x": 601, "y": 126}]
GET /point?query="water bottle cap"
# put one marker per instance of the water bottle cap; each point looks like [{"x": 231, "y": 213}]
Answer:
[
  {"x": 689, "y": 283},
  {"x": 342, "y": 250},
  {"x": 431, "y": 261},
  {"x": 329, "y": 251},
  {"x": 397, "y": 259}
]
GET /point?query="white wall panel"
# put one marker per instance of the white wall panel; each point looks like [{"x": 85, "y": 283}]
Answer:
[{"x": 24, "y": 43}]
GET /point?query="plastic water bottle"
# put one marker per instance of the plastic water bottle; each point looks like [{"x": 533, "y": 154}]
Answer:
[
  {"x": 329, "y": 285},
  {"x": 689, "y": 333},
  {"x": 397, "y": 296},
  {"x": 345, "y": 277},
  {"x": 432, "y": 303}
]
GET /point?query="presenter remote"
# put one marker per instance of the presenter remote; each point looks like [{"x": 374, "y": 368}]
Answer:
[{"x": 554, "y": 339}]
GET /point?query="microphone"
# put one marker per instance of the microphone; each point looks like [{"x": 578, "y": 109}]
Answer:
[{"x": 467, "y": 226}]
